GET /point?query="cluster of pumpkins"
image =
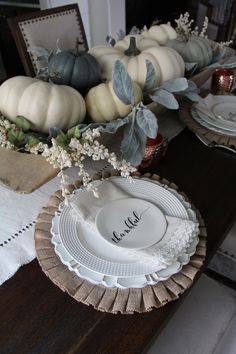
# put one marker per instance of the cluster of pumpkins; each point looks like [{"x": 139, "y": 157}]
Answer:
[{"x": 46, "y": 104}]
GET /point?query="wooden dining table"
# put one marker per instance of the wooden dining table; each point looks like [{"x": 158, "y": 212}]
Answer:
[{"x": 37, "y": 317}]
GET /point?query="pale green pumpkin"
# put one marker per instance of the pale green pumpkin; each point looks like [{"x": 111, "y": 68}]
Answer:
[{"x": 193, "y": 49}]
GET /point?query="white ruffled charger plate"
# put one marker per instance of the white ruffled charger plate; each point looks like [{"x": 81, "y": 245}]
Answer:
[
  {"x": 88, "y": 248},
  {"x": 97, "y": 256}
]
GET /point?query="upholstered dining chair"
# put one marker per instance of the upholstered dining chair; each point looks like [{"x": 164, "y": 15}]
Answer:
[{"x": 44, "y": 29}]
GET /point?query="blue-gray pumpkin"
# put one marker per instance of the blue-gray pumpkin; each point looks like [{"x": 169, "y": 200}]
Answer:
[{"x": 79, "y": 70}]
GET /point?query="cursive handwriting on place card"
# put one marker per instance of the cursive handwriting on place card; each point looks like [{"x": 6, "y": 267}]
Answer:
[{"x": 130, "y": 223}]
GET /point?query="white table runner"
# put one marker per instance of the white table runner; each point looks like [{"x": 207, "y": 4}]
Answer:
[{"x": 18, "y": 212}]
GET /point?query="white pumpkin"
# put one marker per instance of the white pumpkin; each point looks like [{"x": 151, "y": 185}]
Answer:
[
  {"x": 193, "y": 49},
  {"x": 160, "y": 33},
  {"x": 142, "y": 43},
  {"x": 103, "y": 105},
  {"x": 44, "y": 104},
  {"x": 106, "y": 57},
  {"x": 167, "y": 63}
]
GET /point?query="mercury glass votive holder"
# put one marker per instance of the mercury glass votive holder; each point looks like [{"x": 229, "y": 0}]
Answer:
[
  {"x": 154, "y": 150},
  {"x": 222, "y": 82}
]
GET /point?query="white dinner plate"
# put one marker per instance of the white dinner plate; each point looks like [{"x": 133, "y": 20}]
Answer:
[
  {"x": 217, "y": 121},
  {"x": 91, "y": 251},
  {"x": 226, "y": 111},
  {"x": 214, "y": 112},
  {"x": 124, "y": 282},
  {"x": 131, "y": 223},
  {"x": 209, "y": 124}
]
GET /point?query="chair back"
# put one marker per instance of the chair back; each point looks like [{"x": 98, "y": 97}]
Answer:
[{"x": 43, "y": 29}]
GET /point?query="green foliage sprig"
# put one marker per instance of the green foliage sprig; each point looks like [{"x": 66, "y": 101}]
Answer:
[{"x": 18, "y": 134}]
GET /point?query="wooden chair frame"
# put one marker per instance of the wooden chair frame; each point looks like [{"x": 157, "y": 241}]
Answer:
[{"x": 13, "y": 23}]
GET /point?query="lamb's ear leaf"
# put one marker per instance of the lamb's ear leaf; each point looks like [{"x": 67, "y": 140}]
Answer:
[
  {"x": 192, "y": 87},
  {"x": 151, "y": 77},
  {"x": 51, "y": 54},
  {"x": 114, "y": 125},
  {"x": 191, "y": 92},
  {"x": 58, "y": 50},
  {"x": 111, "y": 41},
  {"x": 120, "y": 35},
  {"x": 193, "y": 96},
  {"x": 122, "y": 83},
  {"x": 218, "y": 53},
  {"x": 54, "y": 132},
  {"x": 147, "y": 121},
  {"x": 39, "y": 52},
  {"x": 134, "y": 30},
  {"x": 165, "y": 98},
  {"x": 175, "y": 85},
  {"x": 133, "y": 143},
  {"x": 190, "y": 68}
]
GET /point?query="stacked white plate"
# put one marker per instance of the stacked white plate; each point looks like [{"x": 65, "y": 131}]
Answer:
[
  {"x": 92, "y": 257},
  {"x": 216, "y": 113}
]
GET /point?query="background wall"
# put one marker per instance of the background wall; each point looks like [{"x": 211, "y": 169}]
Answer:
[{"x": 100, "y": 17}]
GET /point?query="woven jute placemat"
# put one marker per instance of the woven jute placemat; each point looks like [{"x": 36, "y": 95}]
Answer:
[
  {"x": 113, "y": 300},
  {"x": 23, "y": 172},
  {"x": 186, "y": 117}
]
